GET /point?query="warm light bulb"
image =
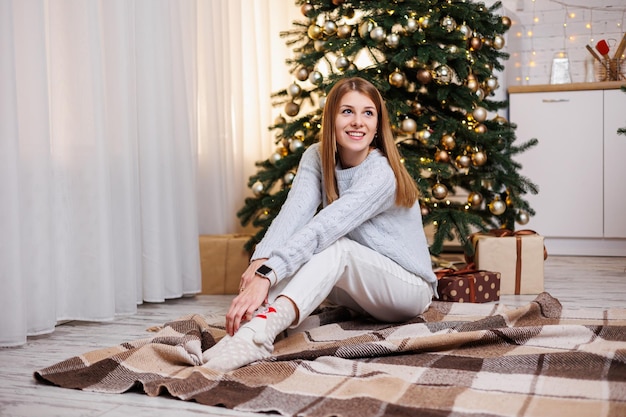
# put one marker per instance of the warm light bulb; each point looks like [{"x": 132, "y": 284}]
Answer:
[
  {"x": 530, "y": 33},
  {"x": 536, "y": 19},
  {"x": 588, "y": 25},
  {"x": 572, "y": 15}
]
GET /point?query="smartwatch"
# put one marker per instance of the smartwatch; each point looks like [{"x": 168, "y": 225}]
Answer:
[{"x": 265, "y": 272}]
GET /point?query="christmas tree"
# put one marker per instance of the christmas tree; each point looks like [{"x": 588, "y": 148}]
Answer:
[{"x": 433, "y": 61}]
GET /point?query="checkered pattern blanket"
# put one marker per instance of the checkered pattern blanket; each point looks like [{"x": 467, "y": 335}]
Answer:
[{"x": 457, "y": 359}]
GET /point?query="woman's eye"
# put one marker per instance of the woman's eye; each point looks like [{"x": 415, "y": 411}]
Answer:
[
  {"x": 347, "y": 111},
  {"x": 369, "y": 113}
]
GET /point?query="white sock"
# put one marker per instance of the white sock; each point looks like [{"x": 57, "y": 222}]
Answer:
[{"x": 253, "y": 341}]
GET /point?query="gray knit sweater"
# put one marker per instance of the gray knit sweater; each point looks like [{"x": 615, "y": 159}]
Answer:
[{"x": 364, "y": 212}]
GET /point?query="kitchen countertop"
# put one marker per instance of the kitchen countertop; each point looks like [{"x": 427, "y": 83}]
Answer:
[{"x": 540, "y": 88}]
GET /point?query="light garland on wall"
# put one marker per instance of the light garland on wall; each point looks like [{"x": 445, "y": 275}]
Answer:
[{"x": 581, "y": 17}]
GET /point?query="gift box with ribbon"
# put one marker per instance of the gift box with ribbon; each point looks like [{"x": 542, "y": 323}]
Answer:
[
  {"x": 468, "y": 285},
  {"x": 518, "y": 256}
]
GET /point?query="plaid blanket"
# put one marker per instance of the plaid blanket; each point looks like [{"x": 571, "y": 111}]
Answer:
[{"x": 457, "y": 359}]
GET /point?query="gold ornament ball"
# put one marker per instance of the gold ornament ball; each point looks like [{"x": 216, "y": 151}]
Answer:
[
  {"x": 442, "y": 156},
  {"x": 397, "y": 78},
  {"x": 480, "y": 129},
  {"x": 497, "y": 207},
  {"x": 292, "y": 109},
  {"x": 344, "y": 31},
  {"x": 463, "y": 161},
  {"x": 522, "y": 217},
  {"x": 257, "y": 188},
  {"x": 479, "y": 158},
  {"x": 506, "y": 21},
  {"x": 306, "y": 9},
  {"x": 280, "y": 120},
  {"x": 417, "y": 107},
  {"x": 480, "y": 114},
  {"x": 472, "y": 83},
  {"x": 408, "y": 125},
  {"x": 480, "y": 94},
  {"x": 500, "y": 120},
  {"x": 424, "y": 76},
  {"x": 424, "y": 210},
  {"x": 475, "y": 199},
  {"x": 302, "y": 74},
  {"x": 424, "y": 21},
  {"x": 315, "y": 32},
  {"x": 330, "y": 28},
  {"x": 338, "y": 2},
  {"x": 439, "y": 191},
  {"x": 448, "y": 142},
  {"x": 466, "y": 31},
  {"x": 475, "y": 43},
  {"x": 498, "y": 42}
]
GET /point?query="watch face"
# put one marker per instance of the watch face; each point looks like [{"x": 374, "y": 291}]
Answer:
[{"x": 264, "y": 270}]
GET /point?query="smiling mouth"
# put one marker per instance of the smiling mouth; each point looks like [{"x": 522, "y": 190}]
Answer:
[{"x": 358, "y": 135}]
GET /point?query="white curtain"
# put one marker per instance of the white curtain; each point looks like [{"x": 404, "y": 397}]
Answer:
[
  {"x": 242, "y": 62},
  {"x": 98, "y": 128},
  {"x": 127, "y": 128}
]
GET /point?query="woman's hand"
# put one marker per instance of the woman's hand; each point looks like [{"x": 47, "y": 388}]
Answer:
[{"x": 253, "y": 291}]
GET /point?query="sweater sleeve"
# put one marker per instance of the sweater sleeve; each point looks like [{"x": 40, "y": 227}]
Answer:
[
  {"x": 371, "y": 190},
  {"x": 302, "y": 202}
]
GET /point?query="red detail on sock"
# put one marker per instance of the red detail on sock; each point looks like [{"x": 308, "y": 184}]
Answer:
[
  {"x": 271, "y": 310},
  {"x": 262, "y": 316}
]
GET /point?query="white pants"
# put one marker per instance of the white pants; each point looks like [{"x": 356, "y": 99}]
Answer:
[{"x": 355, "y": 276}]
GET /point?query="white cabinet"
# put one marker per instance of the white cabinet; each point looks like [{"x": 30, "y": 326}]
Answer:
[{"x": 579, "y": 166}]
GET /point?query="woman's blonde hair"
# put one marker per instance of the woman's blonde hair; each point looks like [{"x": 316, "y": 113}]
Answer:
[{"x": 406, "y": 189}]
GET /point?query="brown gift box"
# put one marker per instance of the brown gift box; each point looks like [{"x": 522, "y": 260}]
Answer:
[
  {"x": 223, "y": 259},
  {"x": 518, "y": 256},
  {"x": 470, "y": 286}
]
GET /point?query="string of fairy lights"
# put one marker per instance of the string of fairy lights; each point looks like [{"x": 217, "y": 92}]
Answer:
[{"x": 573, "y": 14}]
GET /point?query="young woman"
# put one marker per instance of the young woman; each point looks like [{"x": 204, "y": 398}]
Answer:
[{"x": 365, "y": 249}]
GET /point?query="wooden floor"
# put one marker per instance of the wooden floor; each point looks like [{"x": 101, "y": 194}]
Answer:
[{"x": 578, "y": 282}]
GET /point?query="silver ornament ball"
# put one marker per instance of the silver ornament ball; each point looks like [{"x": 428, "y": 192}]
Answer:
[
  {"x": 522, "y": 217},
  {"x": 258, "y": 188},
  {"x": 295, "y": 145}
]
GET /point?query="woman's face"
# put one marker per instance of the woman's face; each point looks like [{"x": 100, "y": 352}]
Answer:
[{"x": 355, "y": 127}]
